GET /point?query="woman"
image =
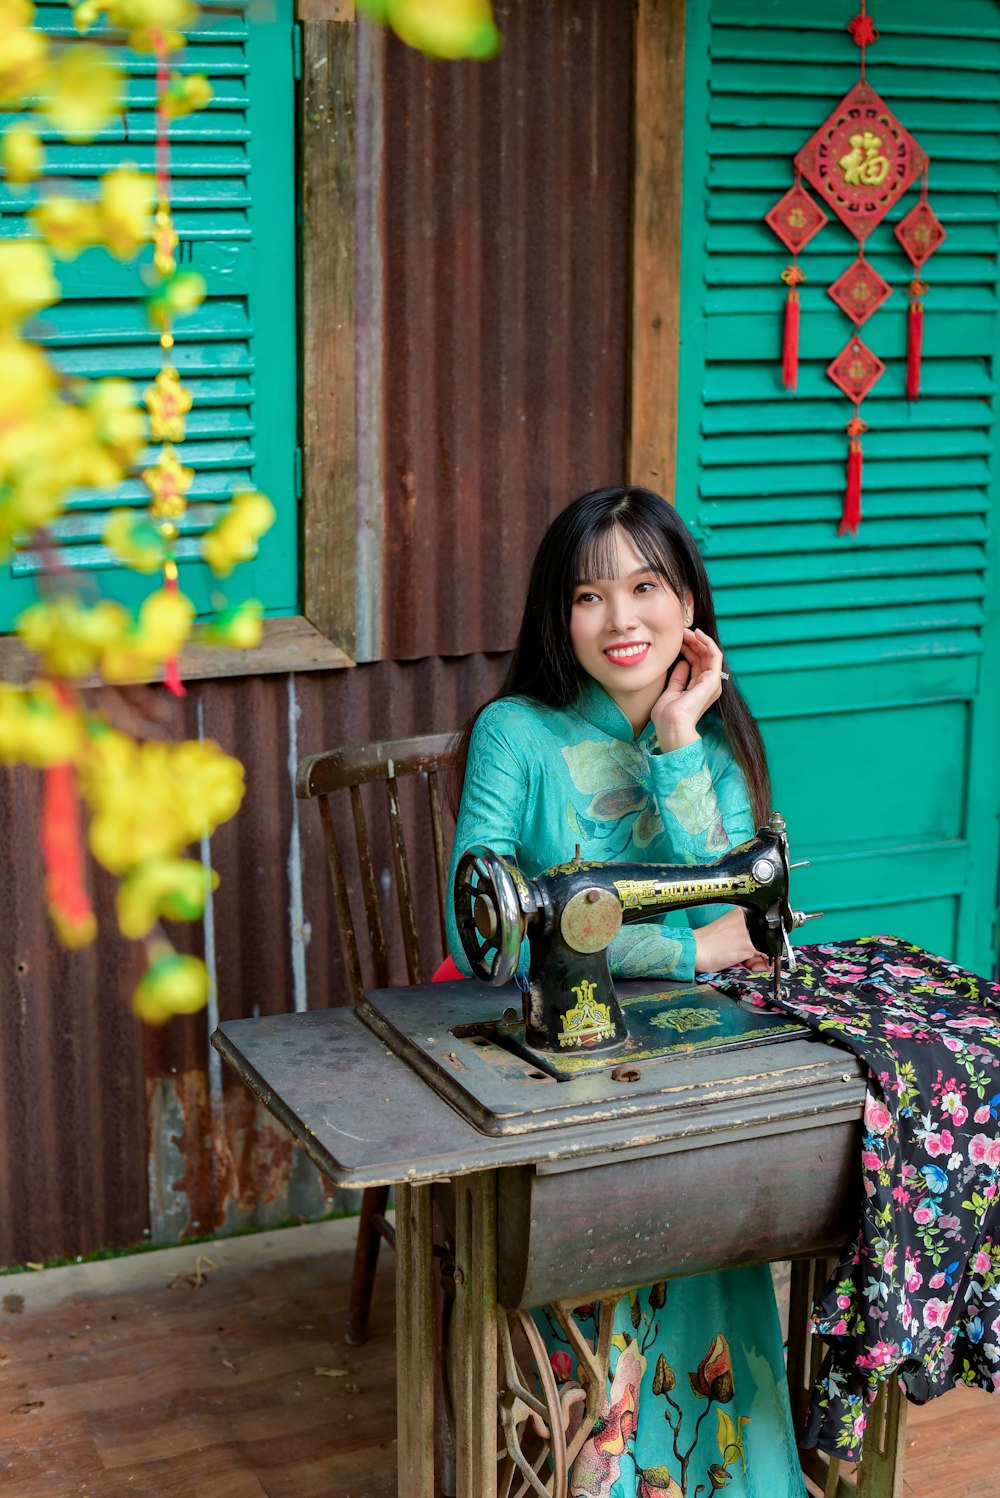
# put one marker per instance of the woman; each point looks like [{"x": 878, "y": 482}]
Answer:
[{"x": 617, "y": 729}]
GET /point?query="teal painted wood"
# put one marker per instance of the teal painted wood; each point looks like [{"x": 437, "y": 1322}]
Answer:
[
  {"x": 232, "y": 168},
  {"x": 873, "y": 664}
]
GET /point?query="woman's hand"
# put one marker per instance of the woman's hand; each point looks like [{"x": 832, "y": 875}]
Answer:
[
  {"x": 691, "y": 688},
  {"x": 725, "y": 942}
]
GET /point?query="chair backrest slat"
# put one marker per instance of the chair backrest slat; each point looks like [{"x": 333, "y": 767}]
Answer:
[
  {"x": 376, "y": 933},
  {"x": 440, "y": 855},
  {"x": 349, "y": 939},
  {"x": 404, "y": 894},
  {"x": 349, "y": 769}
]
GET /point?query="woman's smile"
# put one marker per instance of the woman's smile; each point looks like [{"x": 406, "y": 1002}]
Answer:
[{"x": 627, "y": 655}]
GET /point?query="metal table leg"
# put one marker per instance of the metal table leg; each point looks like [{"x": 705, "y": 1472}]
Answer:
[{"x": 415, "y": 1341}]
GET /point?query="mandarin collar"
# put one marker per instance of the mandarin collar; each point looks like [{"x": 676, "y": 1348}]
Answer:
[{"x": 602, "y": 712}]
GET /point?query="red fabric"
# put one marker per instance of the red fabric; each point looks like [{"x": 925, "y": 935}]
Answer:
[
  {"x": 447, "y": 972},
  {"x": 62, "y": 852},
  {"x": 914, "y": 345},
  {"x": 790, "y": 347}
]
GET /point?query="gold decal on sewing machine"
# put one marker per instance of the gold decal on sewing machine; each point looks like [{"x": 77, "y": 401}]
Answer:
[
  {"x": 587, "y": 1020},
  {"x": 636, "y": 894}
]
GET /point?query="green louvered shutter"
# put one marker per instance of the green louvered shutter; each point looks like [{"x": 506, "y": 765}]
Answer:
[
  {"x": 234, "y": 207},
  {"x": 873, "y": 664}
]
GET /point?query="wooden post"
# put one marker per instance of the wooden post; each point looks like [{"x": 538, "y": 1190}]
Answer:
[
  {"x": 473, "y": 1347},
  {"x": 658, "y": 111},
  {"x": 329, "y": 467},
  {"x": 415, "y": 1341}
]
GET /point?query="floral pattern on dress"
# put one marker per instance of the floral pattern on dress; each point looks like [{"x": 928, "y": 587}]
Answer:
[
  {"x": 615, "y": 776},
  {"x": 916, "y": 1293},
  {"x": 607, "y": 1465},
  {"x": 693, "y": 802}
]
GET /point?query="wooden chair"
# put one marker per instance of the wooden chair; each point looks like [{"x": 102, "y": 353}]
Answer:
[{"x": 325, "y": 776}]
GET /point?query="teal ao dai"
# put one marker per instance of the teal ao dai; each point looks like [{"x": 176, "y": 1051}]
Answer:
[{"x": 697, "y": 1400}]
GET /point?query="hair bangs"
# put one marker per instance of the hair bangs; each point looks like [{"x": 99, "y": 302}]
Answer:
[{"x": 597, "y": 555}]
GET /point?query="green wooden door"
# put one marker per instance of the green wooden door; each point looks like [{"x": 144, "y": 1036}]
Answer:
[
  {"x": 873, "y": 663},
  {"x": 233, "y": 173}
]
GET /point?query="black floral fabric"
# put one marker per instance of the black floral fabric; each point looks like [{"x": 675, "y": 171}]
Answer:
[{"x": 917, "y": 1291}]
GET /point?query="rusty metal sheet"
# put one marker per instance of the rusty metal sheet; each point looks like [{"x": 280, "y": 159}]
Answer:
[
  {"x": 110, "y": 1134},
  {"x": 506, "y": 191}
]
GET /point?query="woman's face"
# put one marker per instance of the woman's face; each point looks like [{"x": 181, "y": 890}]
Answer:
[{"x": 627, "y": 630}]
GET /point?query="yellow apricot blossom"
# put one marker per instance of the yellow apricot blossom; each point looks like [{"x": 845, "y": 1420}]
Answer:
[
  {"x": 68, "y": 225},
  {"x": 69, "y": 636},
  {"x": 213, "y": 786},
  {"x": 119, "y": 424},
  {"x": 84, "y": 90},
  {"x": 23, "y": 52},
  {"x": 26, "y": 281},
  {"x": 159, "y": 633},
  {"x": 234, "y": 538},
  {"x": 22, "y": 154},
  {"x": 173, "y": 984},
  {"x": 125, "y": 209},
  {"x": 174, "y": 888},
  {"x": 135, "y": 541},
  {"x": 441, "y": 28},
  {"x": 36, "y": 728},
  {"x": 168, "y": 402},
  {"x": 238, "y": 627},
  {"x": 179, "y": 294},
  {"x": 185, "y": 95},
  {"x": 168, "y": 482},
  {"x": 151, "y": 800},
  {"x": 26, "y": 382}
]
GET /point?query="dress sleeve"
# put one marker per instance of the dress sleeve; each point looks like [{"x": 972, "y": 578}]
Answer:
[
  {"x": 704, "y": 804},
  {"x": 493, "y": 807}
]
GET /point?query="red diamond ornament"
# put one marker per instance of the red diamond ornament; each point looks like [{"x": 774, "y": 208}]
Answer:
[
  {"x": 795, "y": 218},
  {"x": 856, "y": 369},
  {"x": 920, "y": 233},
  {"x": 861, "y": 160},
  {"x": 859, "y": 291}
]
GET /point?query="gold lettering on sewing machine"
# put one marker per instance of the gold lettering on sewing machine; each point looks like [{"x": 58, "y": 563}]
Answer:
[
  {"x": 637, "y": 894},
  {"x": 587, "y": 1020}
]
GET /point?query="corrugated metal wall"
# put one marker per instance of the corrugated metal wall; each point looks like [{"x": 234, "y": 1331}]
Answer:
[
  {"x": 506, "y": 286},
  {"x": 505, "y": 368}
]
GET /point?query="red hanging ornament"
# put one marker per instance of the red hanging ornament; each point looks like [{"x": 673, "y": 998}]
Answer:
[
  {"x": 860, "y": 162},
  {"x": 859, "y": 290},
  {"x": 915, "y": 337},
  {"x": 62, "y": 853},
  {"x": 793, "y": 276},
  {"x": 171, "y": 670},
  {"x": 855, "y": 370},
  {"x": 920, "y": 233}
]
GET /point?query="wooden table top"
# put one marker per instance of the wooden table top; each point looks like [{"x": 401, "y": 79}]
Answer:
[{"x": 366, "y": 1118}]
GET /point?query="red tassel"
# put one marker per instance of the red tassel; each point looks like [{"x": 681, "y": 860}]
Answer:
[
  {"x": 793, "y": 278},
  {"x": 790, "y": 346},
  {"x": 914, "y": 345},
  {"x": 62, "y": 851},
  {"x": 172, "y": 678},
  {"x": 851, "y": 517}
]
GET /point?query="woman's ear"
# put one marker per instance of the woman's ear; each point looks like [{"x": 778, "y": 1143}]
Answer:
[{"x": 688, "y": 602}]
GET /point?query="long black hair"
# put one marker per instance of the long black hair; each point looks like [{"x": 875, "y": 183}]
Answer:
[{"x": 580, "y": 543}]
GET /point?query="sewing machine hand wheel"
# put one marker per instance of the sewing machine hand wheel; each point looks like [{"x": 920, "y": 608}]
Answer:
[{"x": 488, "y": 914}]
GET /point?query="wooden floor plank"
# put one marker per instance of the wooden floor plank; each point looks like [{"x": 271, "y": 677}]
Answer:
[{"x": 136, "y": 1388}]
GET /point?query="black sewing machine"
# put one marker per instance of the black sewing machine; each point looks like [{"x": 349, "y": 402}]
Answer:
[{"x": 571, "y": 1025}]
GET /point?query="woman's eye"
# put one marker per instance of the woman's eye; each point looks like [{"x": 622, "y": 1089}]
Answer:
[
  {"x": 585, "y": 598},
  {"x": 644, "y": 587}
]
